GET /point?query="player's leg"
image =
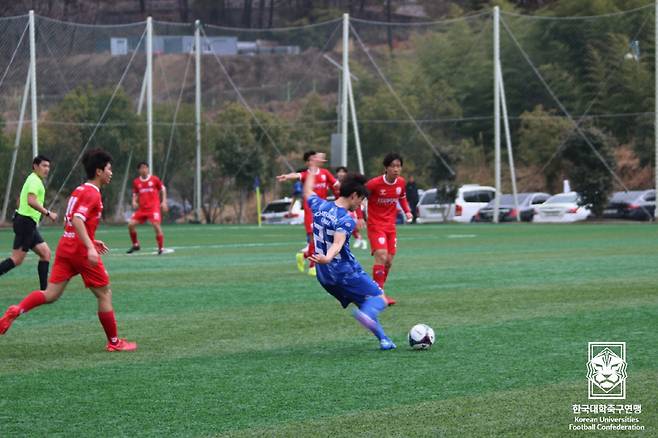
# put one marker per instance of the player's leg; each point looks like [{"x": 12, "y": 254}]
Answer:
[
  {"x": 98, "y": 282},
  {"x": 310, "y": 252},
  {"x": 301, "y": 255},
  {"x": 23, "y": 238},
  {"x": 43, "y": 251},
  {"x": 132, "y": 230},
  {"x": 159, "y": 236},
  {"x": 33, "y": 299},
  {"x": 370, "y": 305},
  {"x": 15, "y": 259}
]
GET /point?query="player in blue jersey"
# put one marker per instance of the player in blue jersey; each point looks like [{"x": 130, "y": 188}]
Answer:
[{"x": 337, "y": 269}]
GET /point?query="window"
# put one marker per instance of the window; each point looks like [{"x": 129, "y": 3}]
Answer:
[
  {"x": 471, "y": 197},
  {"x": 485, "y": 196}
]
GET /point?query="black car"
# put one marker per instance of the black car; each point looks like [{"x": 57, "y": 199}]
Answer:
[
  {"x": 508, "y": 212},
  {"x": 635, "y": 204}
]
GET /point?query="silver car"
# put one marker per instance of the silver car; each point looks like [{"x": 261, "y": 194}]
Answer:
[{"x": 280, "y": 212}]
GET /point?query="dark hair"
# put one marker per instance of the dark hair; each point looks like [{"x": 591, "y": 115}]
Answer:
[
  {"x": 39, "y": 158},
  {"x": 341, "y": 168},
  {"x": 142, "y": 163},
  {"x": 354, "y": 183},
  {"x": 95, "y": 159},
  {"x": 392, "y": 156},
  {"x": 308, "y": 155}
]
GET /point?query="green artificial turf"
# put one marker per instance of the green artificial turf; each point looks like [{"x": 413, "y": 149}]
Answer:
[{"x": 234, "y": 341}]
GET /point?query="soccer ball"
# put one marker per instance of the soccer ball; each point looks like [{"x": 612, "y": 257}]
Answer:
[{"x": 421, "y": 337}]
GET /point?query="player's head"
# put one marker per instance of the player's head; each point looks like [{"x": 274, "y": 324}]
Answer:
[
  {"x": 98, "y": 165},
  {"x": 353, "y": 189},
  {"x": 341, "y": 171},
  {"x": 308, "y": 155},
  {"x": 143, "y": 169},
  {"x": 393, "y": 164},
  {"x": 41, "y": 165}
]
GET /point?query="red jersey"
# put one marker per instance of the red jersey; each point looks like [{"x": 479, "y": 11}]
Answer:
[
  {"x": 85, "y": 202},
  {"x": 324, "y": 181},
  {"x": 148, "y": 192},
  {"x": 383, "y": 201}
]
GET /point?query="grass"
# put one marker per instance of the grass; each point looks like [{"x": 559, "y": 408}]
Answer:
[{"x": 234, "y": 341}]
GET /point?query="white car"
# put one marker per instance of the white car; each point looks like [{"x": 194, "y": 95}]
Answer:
[
  {"x": 563, "y": 207},
  {"x": 279, "y": 212},
  {"x": 469, "y": 200}
]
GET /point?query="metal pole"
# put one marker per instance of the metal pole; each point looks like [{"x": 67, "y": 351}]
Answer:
[
  {"x": 508, "y": 140},
  {"x": 197, "y": 123},
  {"x": 355, "y": 125},
  {"x": 496, "y": 61},
  {"x": 33, "y": 86},
  {"x": 655, "y": 99},
  {"x": 142, "y": 94},
  {"x": 17, "y": 143},
  {"x": 149, "y": 91},
  {"x": 346, "y": 78}
]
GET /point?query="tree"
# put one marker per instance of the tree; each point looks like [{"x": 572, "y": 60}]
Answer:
[{"x": 588, "y": 175}]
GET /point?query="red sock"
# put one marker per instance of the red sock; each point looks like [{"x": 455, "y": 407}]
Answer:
[
  {"x": 34, "y": 299},
  {"x": 109, "y": 324},
  {"x": 386, "y": 271},
  {"x": 160, "y": 239},
  {"x": 133, "y": 238},
  {"x": 379, "y": 275}
]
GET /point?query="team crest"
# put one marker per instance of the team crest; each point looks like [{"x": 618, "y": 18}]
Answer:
[
  {"x": 398, "y": 190},
  {"x": 606, "y": 370}
]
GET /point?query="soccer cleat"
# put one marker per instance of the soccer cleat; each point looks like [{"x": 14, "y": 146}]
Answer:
[
  {"x": 133, "y": 249},
  {"x": 389, "y": 301},
  {"x": 160, "y": 251},
  {"x": 312, "y": 272},
  {"x": 121, "y": 345},
  {"x": 364, "y": 244},
  {"x": 386, "y": 344},
  {"x": 300, "y": 262},
  {"x": 10, "y": 315}
]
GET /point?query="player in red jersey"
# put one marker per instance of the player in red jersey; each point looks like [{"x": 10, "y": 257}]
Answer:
[
  {"x": 146, "y": 201},
  {"x": 78, "y": 253},
  {"x": 324, "y": 181},
  {"x": 357, "y": 215},
  {"x": 386, "y": 192}
]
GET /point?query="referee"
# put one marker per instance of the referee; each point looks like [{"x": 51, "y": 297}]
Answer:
[{"x": 28, "y": 215}]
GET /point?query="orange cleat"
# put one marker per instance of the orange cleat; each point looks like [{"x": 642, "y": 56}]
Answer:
[
  {"x": 10, "y": 315},
  {"x": 121, "y": 345}
]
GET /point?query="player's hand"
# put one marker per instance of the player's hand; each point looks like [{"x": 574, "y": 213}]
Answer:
[
  {"x": 410, "y": 217},
  {"x": 134, "y": 205},
  {"x": 321, "y": 259},
  {"x": 101, "y": 247},
  {"x": 164, "y": 206},
  {"x": 92, "y": 256},
  {"x": 53, "y": 216},
  {"x": 282, "y": 178}
]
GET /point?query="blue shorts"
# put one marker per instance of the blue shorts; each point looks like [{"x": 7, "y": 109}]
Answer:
[{"x": 355, "y": 290}]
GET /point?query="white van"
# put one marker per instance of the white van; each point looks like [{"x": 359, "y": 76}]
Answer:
[{"x": 470, "y": 199}]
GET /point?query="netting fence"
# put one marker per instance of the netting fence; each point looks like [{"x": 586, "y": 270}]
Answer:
[{"x": 579, "y": 92}]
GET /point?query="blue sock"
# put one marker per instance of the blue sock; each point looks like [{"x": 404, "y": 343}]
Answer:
[{"x": 372, "y": 307}]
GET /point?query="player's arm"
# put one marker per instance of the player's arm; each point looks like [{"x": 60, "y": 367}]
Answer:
[
  {"x": 289, "y": 176},
  {"x": 405, "y": 207},
  {"x": 163, "y": 192},
  {"x": 79, "y": 225},
  {"x": 135, "y": 205},
  {"x": 33, "y": 202},
  {"x": 339, "y": 240}
]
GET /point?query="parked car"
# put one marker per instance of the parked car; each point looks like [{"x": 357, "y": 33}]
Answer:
[
  {"x": 279, "y": 212},
  {"x": 636, "y": 204},
  {"x": 564, "y": 207},
  {"x": 507, "y": 209},
  {"x": 469, "y": 200}
]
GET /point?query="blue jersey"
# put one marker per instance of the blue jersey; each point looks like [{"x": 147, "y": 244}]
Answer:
[{"x": 328, "y": 219}]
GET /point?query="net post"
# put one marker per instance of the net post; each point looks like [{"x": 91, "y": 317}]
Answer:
[
  {"x": 149, "y": 91},
  {"x": 346, "y": 78},
  {"x": 33, "y": 86},
  {"x": 496, "y": 61},
  {"x": 197, "y": 118}
]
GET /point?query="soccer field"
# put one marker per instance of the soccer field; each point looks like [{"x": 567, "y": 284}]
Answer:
[{"x": 234, "y": 341}]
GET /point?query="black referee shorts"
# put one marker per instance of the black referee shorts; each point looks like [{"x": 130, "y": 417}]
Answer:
[{"x": 26, "y": 234}]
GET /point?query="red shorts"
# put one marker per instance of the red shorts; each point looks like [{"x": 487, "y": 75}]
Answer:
[
  {"x": 382, "y": 239},
  {"x": 68, "y": 266},
  {"x": 142, "y": 216}
]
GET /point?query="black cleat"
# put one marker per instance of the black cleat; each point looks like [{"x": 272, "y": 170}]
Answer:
[
  {"x": 160, "y": 251},
  {"x": 133, "y": 249}
]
